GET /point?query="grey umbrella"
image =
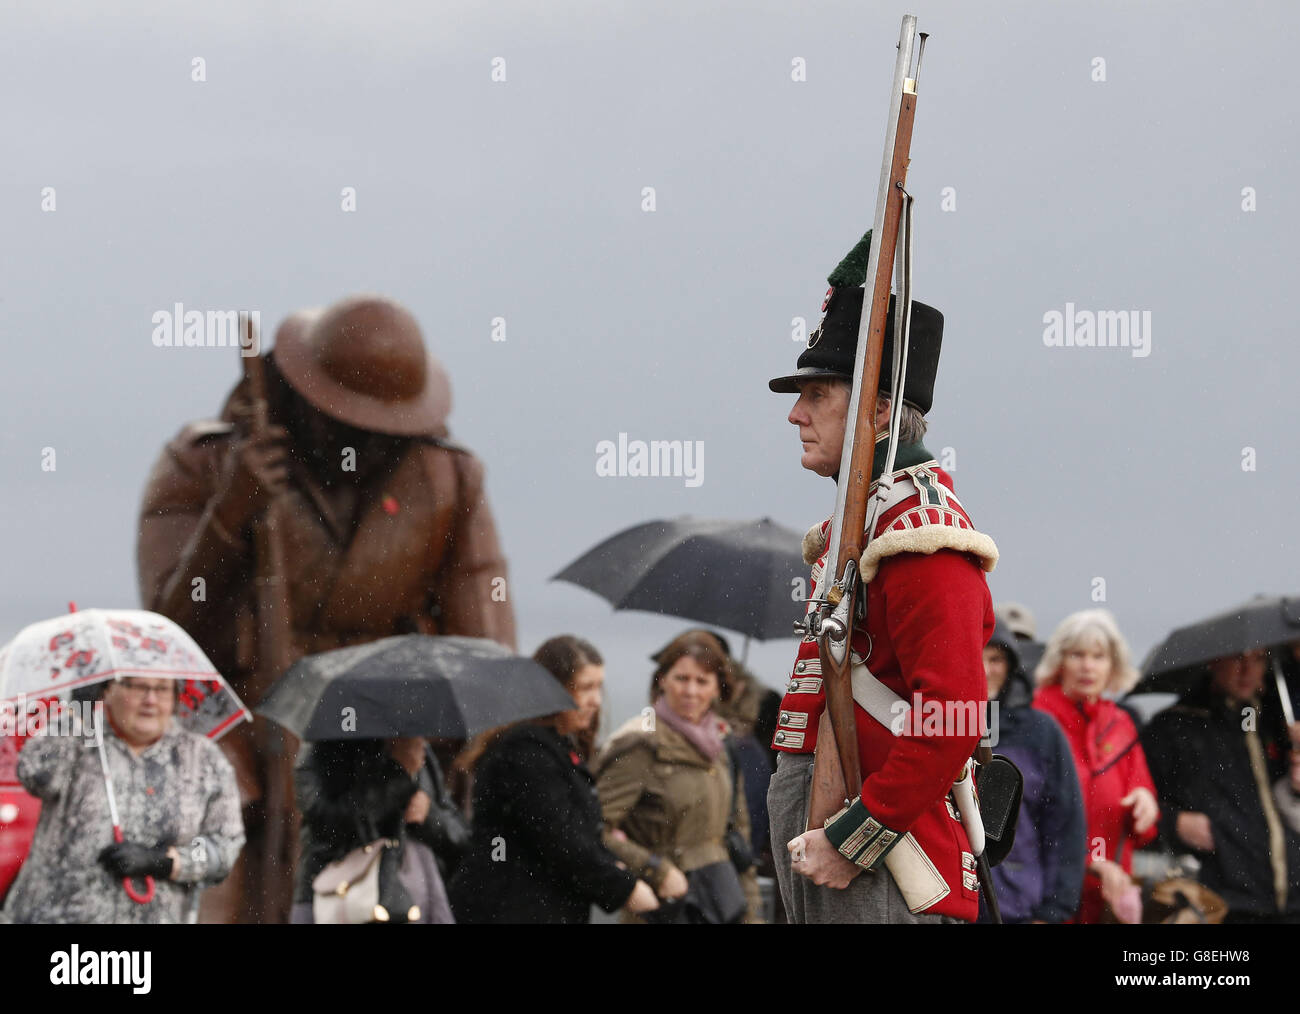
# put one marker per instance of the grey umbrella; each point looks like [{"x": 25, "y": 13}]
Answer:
[
  {"x": 742, "y": 575},
  {"x": 1181, "y": 658},
  {"x": 413, "y": 685}
]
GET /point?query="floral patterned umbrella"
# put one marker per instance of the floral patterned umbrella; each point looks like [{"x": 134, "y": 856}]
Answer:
[{"x": 47, "y": 661}]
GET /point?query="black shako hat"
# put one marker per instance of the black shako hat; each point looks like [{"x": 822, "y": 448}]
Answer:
[{"x": 832, "y": 346}]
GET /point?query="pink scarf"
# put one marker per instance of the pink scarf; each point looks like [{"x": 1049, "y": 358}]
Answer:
[{"x": 705, "y": 735}]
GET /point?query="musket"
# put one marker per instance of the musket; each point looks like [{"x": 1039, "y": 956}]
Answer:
[
  {"x": 274, "y": 655},
  {"x": 837, "y": 773}
]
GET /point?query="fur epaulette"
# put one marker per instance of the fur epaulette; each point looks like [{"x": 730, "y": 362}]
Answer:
[{"x": 933, "y": 519}]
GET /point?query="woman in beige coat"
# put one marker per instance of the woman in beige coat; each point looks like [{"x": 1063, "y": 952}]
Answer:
[{"x": 668, "y": 794}]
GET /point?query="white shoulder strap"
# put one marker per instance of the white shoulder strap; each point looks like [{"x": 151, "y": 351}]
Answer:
[{"x": 877, "y": 700}]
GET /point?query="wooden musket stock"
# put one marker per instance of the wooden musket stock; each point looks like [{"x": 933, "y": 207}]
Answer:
[{"x": 837, "y": 774}]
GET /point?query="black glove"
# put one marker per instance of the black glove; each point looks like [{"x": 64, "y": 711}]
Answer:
[{"x": 131, "y": 859}]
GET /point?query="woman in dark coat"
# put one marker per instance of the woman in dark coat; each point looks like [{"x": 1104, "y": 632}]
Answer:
[
  {"x": 536, "y": 854},
  {"x": 351, "y": 792},
  {"x": 1221, "y": 779},
  {"x": 1041, "y": 877}
]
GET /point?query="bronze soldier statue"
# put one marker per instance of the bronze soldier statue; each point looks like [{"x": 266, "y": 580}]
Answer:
[{"x": 384, "y": 524}]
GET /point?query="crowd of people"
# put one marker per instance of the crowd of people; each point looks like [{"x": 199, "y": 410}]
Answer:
[
  {"x": 1214, "y": 777},
  {"x": 658, "y": 822},
  {"x": 690, "y": 805}
]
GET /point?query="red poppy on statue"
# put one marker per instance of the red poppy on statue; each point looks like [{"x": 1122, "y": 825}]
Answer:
[{"x": 391, "y": 506}]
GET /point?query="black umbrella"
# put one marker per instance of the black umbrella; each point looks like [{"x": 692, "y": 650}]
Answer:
[
  {"x": 741, "y": 575},
  {"x": 413, "y": 685},
  {"x": 1181, "y": 658}
]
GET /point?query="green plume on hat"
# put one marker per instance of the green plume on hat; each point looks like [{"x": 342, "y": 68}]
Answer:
[{"x": 853, "y": 269}]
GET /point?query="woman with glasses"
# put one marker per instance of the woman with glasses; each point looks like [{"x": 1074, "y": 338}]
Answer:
[{"x": 176, "y": 799}]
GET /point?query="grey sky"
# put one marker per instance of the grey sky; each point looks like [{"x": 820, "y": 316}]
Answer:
[{"x": 522, "y": 199}]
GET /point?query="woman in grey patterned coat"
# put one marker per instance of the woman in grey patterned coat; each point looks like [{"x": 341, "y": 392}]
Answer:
[{"x": 176, "y": 798}]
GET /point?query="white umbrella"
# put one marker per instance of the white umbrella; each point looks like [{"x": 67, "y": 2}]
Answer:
[{"x": 48, "y": 660}]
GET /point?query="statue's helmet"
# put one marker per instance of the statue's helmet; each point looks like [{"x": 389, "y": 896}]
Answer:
[{"x": 363, "y": 362}]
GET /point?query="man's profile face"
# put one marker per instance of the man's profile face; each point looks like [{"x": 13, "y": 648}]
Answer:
[{"x": 821, "y": 414}]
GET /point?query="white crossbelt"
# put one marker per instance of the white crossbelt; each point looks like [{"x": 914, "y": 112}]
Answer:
[
  {"x": 918, "y": 881},
  {"x": 877, "y": 700}
]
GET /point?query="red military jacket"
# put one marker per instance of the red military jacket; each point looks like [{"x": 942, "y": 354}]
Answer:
[{"x": 928, "y": 616}]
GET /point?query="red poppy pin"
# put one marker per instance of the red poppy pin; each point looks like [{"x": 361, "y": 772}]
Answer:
[
  {"x": 391, "y": 506},
  {"x": 573, "y": 756}
]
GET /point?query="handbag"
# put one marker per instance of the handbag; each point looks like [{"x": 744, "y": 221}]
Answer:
[
  {"x": 713, "y": 897},
  {"x": 364, "y": 886}
]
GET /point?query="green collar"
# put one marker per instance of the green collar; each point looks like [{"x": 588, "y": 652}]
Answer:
[{"x": 906, "y": 456}]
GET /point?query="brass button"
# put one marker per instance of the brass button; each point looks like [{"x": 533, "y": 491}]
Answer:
[
  {"x": 780, "y": 737},
  {"x": 794, "y": 685},
  {"x": 785, "y": 718}
]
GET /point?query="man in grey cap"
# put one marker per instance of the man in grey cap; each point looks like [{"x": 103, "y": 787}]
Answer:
[{"x": 1018, "y": 618}]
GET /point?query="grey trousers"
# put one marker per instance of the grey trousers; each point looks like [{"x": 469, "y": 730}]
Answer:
[{"x": 870, "y": 898}]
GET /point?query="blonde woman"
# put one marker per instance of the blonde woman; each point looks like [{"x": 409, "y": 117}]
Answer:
[{"x": 1085, "y": 668}]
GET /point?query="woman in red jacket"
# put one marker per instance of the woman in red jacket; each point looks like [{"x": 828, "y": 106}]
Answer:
[{"x": 1085, "y": 667}]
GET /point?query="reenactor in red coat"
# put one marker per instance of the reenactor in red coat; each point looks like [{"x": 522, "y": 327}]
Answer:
[
  {"x": 928, "y": 615},
  {"x": 385, "y": 525}
]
